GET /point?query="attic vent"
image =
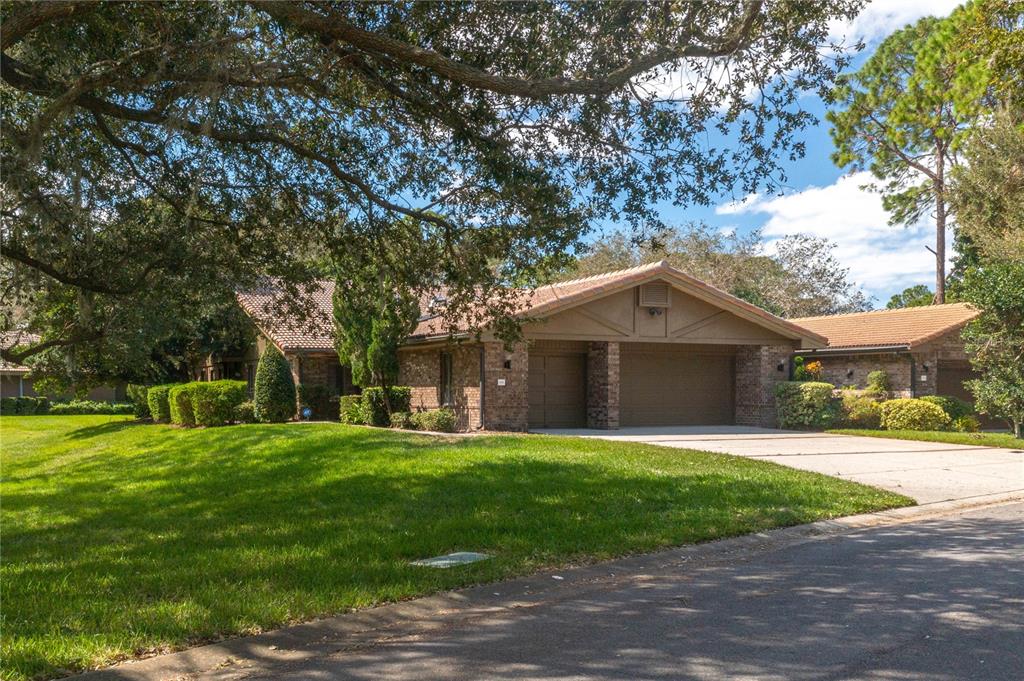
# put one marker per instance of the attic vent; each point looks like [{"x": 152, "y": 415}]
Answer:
[{"x": 654, "y": 295}]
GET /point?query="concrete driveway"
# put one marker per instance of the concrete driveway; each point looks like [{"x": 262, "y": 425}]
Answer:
[{"x": 926, "y": 471}]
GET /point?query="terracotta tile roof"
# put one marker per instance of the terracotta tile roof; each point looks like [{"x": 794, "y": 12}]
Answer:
[
  {"x": 910, "y": 327},
  {"x": 289, "y": 334},
  {"x": 542, "y": 301},
  {"x": 10, "y": 339}
]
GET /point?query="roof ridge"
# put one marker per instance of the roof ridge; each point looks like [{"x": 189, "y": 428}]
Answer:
[
  {"x": 658, "y": 264},
  {"x": 898, "y": 310}
]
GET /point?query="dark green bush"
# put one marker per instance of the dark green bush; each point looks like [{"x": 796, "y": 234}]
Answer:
[
  {"x": 913, "y": 414},
  {"x": 158, "y": 398},
  {"x": 88, "y": 407},
  {"x": 953, "y": 406},
  {"x": 181, "y": 405},
  {"x": 402, "y": 419},
  {"x": 214, "y": 402},
  {"x": 24, "y": 406},
  {"x": 350, "y": 410},
  {"x": 139, "y": 397},
  {"x": 245, "y": 412},
  {"x": 274, "y": 393},
  {"x": 374, "y": 411},
  {"x": 805, "y": 404},
  {"x": 860, "y": 411},
  {"x": 315, "y": 396},
  {"x": 437, "y": 420}
]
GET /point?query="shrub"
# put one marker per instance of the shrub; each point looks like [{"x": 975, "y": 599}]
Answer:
[
  {"x": 181, "y": 405},
  {"x": 402, "y": 419},
  {"x": 214, "y": 402},
  {"x": 245, "y": 412},
  {"x": 159, "y": 402},
  {"x": 138, "y": 395},
  {"x": 24, "y": 406},
  {"x": 913, "y": 414},
  {"x": 953, "y": 406},
  {"x": 81, "y": 407},
  {"x": 274, "y": 394},
  {"x": 315, "y": 396},
  {"x": 438, "y": 420},
  {"x": 860, "y": 411},
  {"x": 805, "y": 404},
  {"x": 374, "y": 411},
  {"x": 878, "y": 383},
  {"x": 350, "y": 410},
  {"x": 966, "y": 424}
]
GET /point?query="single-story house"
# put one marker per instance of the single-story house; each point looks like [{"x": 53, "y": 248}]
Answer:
[
  {"x": 16, "y": 380},
  {"x": 918, "y": 347},
  {"x": 646, "y": 346}
]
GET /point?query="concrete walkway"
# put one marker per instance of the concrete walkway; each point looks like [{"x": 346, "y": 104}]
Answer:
[{"x": 925, "y": 471}]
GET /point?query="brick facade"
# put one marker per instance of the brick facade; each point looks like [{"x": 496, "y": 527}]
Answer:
[
  {"x": 757, "y": 372},
  {"x": 506, "y": 388},
  {"x": 603, "y": 385},
  {"x": 421, "y": 370}
]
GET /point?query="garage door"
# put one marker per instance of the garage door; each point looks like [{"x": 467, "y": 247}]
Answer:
[
  {"x": 951, "y": 380},
  {"x": 675, "y": 388},
  {"x": 558, "y": 390}
]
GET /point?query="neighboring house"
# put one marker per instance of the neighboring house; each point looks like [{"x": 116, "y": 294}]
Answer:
[
  {"x": 647, "y": 346},
  {"x": 17, "y": 381},
  {"x": 918, "y": 347}
]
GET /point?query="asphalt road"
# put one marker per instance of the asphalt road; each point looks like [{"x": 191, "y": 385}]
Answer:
[{"x": 936, "y": 599}]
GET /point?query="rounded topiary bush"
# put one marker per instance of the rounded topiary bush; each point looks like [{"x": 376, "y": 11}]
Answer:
[
  {"x": 158, "y": 398},
  {"x": 805, "y": 404},
  {"x": 913, "y": 414},
  {"x": 274, "y": 393},
  {"x": 953, "y": 406},
  {"x": 180, "y": 401},
  {"x": 214, "y": 402}
]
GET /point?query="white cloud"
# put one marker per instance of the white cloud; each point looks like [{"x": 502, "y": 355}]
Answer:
[
  {"x": 882, "y": 259},
  {"x": 736, "y": 207},
  {"x": 882, "y": 17}
]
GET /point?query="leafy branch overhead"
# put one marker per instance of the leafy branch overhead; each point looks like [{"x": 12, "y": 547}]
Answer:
[{"x": 152, "y": 151}]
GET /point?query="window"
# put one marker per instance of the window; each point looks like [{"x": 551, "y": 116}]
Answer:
[{"x": 446, "y": 378}]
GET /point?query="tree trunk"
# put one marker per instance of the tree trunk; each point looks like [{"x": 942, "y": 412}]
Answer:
[
  {"x": 940, "y": 229},
  {"x": 1018, "y": 427}
]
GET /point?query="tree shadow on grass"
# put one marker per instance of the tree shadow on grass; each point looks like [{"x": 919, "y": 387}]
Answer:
[
  {"x": 104, "y": 429},
  {"x": 209, "y": 532}
]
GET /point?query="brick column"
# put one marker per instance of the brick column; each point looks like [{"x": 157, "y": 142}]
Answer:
[
  {"x": 506, "y": 389},
  {"x": 603, "y": 385},
  {"x": 757, "y": 372}
]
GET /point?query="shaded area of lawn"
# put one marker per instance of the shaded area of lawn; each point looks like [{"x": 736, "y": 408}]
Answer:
[
  {"x": 977, "y": 439},
  {"x": 121, "y": 538}
]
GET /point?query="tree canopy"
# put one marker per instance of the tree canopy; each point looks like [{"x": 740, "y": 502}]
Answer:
[
  {"x": 912, "y": 296},
  {"x": 798, "y": 276},
  {"x": 158, "y": 153}
]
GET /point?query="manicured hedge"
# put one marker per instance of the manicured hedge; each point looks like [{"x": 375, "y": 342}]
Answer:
[
  {"x": 953, "y": 406},
  {"x": 245, "y": 412},
  {"x": 402, "y": 419},
  {"x": 138, "y": 396},
  {"x": 159, "y": 403},
  {"x": 88, "y": 407},
  {"x": 438, "y": 420},
  {"x": 350, "y": 410},
  {"x": 805, "y": 404},
  {"x": 274, "y": 392},
  {"x": 180, "y": 401},
  {"x": 214, "y": 403},
  {"x": 24, "y": 406},
  {"x": 861, "y": 411},
  {"x": 374, "y": 411},
  {"x": 913, "y": 414}
]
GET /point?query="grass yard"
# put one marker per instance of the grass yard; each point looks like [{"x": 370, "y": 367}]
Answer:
[
  {"x": 977, "y": 439},
  {"x": 120, "y": 539}
]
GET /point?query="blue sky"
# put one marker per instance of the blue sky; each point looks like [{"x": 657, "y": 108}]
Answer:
[{"x": 826, "y": 201}]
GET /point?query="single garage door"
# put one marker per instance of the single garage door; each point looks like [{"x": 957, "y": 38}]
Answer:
[
  {"x": 675, "y": 387},
  {"x": 558, "y": 390},
  {"x": 951, "y": 380}
]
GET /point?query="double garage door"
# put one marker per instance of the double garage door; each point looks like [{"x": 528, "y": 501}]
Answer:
[{"x": 659, "y": 386}]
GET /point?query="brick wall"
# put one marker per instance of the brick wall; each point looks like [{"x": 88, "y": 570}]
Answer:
[
  {"x": 757, "y": 372},
  {"x": 897, "y": 366},
  {"x": 421, "y": 370},
  {"x": 506, "y": 407},
  {"x": 603, "y": 385},
  {"x": 315, "y": 371}
]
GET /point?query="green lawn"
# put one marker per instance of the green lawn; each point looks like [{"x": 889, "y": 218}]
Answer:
[
  {"x": 121, "y": 538},
  {"x": 978, "y": 439}
]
